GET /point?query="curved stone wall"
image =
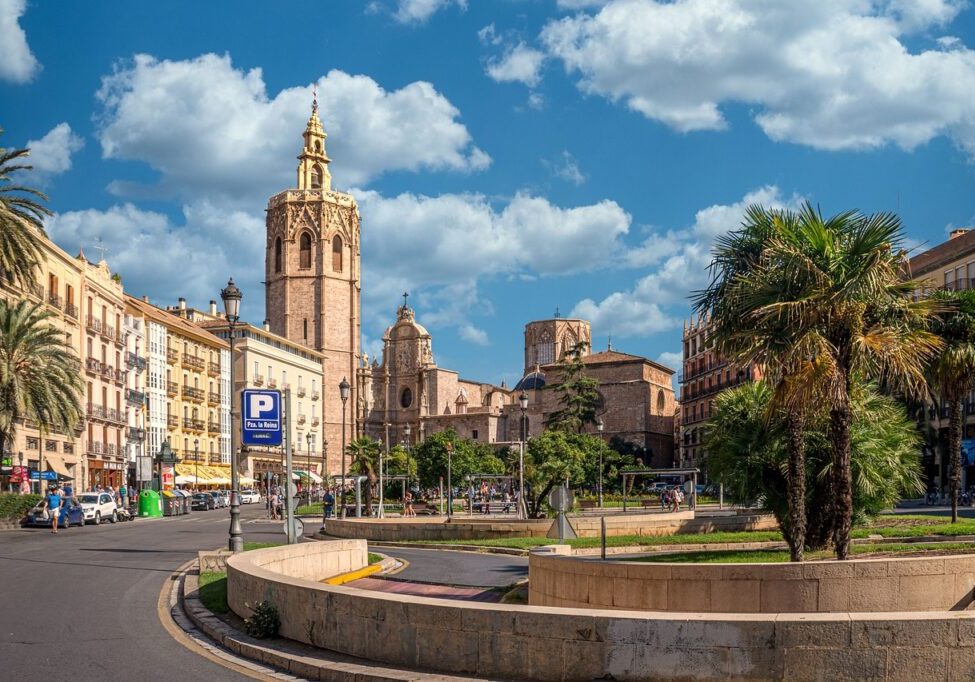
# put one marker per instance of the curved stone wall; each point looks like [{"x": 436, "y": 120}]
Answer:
[
  {"x": 940, "y": 583},
  {"x": 545, "y": 643}
]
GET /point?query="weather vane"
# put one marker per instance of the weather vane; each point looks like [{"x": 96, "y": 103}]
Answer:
[
  {"x": 314, "y": 101},
  {"x": 100, "y": 246}
]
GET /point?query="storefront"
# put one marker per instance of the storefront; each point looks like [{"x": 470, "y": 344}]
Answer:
[{"x": 104, "y": 473}]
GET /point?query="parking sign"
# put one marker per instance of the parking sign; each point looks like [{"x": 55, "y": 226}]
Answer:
[{"x": 261, "y": 417}]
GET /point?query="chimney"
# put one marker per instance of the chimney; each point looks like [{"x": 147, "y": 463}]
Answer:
[
  {"x": 957, "y": 233},
  {"x": 182, "y": 303},
  {"x": 213, "y": 308},
  {"x": 145, "y": 298},
  {"x": 267, "y": 325}
]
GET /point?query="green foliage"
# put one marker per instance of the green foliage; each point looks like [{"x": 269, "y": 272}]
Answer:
[
  {"x": 264, "y": 621},
  {"x": 469, "y": 457},
  {"x": 14, "y": 507},
  {"x": 578, "y": 394},
  {"x": 21, "y": 220},
  {"x": 763, "y": 556},
  {"x": 213, "y": 591},
  {"x": 363, "y": 453},
  {"x": 554, "y": 457},
  {"x": 747, "y": 452}
]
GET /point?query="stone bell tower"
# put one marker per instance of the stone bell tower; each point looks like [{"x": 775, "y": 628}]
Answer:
[{"x": 313, "y": 278}]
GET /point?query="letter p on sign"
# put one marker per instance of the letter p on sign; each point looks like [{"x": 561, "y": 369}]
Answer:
[{"x": 259, "y": 405}]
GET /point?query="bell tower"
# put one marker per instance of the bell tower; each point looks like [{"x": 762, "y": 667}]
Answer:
[{"x": 313, "y": 278}]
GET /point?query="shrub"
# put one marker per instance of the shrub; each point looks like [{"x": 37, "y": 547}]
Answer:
[
  {"x": 14, "y": 507},
  {"x": 264, "y": 622}
]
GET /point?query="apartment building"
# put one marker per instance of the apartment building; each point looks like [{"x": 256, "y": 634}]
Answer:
[{"x": 136, "y": 365}]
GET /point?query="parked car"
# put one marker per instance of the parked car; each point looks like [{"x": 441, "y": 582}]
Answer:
[
  {"x": 98, "y": 507},
  {"x": 71, "y": 515},
  {"x": 219, "y": 498},
  {"x": 202, "y": 502},
  {"x": 250, "y": 497}
]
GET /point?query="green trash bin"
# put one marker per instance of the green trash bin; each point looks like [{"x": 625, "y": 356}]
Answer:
[{"x": 149, "y": 504}]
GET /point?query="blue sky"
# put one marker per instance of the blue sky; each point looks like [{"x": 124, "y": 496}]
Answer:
[{"x": 509, "y": 156}]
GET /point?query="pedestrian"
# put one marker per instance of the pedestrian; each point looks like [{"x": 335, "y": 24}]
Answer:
[
  {"x": 272, "y": 503},
  {"x": 54, "y": 501},
  {"x": 329, "y": 501},
  {"x": 507, "y": 501},
  {"x": 122, "y": 495},
  {"x": 408, "y": 504},
  {"x": 68, "y": 490}
]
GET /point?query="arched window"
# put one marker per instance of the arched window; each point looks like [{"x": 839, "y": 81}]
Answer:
[
  {"x": 406, "y": 398},
  {"x": 337, "y": 253},
  {"x": 318, "y": 146},
  {"x": 316, "y": 177},
  {"x": 304, "y": 335},
  {"x": 277, "y": 254},
  {"x": 305, "y": 251},
  {"x": 660, "y": 401}
]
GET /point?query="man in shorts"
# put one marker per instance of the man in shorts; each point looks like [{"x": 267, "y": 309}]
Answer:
[{"x": 54, "y": 500}]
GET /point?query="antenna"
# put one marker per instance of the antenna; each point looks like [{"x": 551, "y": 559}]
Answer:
[
  {"x": 100, "y": 246},
  {"x": 557, "y": 315}
]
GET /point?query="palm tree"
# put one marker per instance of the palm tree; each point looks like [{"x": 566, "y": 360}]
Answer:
[
  {"x": 952, "y": 372},
  {"x": 837, "y": 285},
  {"x": 364, "y": 459},
  {"x": 40, "y": 378},
  {"x": 21, "y": 220}
]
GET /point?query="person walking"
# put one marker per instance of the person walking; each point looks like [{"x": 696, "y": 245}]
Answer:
[
  {"x": 408, "y": 505},
  {"x": 273, "y": 502},
  {"x": 329, "y": 501},
  {"x": 54, "y": 501}
]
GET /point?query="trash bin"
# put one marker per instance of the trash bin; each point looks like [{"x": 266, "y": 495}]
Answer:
[
  {"x": 171, "y": 503},
  {"x": 150, "y": 504},
  {"x": 185, "y": 499}
]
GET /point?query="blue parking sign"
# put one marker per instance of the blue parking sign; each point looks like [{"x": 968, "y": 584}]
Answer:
[{"x": 260, "y": 417}]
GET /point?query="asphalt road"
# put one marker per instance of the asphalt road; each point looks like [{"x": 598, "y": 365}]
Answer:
[
  {"x": 82, "y": 604},
  {"x": 468, "y": 569}
]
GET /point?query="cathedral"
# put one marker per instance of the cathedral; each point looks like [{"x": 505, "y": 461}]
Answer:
[{"x": 313, "y": 292}]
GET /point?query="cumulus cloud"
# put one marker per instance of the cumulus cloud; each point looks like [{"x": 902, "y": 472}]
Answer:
[
  {"x": 566, "y": 168},
  {"x": 17, "y": 63},
  {"x": 51, "y": 155},
  {"x": 657, "y": 301},
  {"x": 205, "y": 126},
  {"x": 419, "y": 11},
  {"x": 830, "y": 74},
  {"x": 672, "y": 360},
  {"x": 470, "y": 333},
  {"x": 518, "y": 64}
]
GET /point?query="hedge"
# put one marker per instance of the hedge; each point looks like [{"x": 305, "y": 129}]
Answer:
[{"x": 14, "y": 507}]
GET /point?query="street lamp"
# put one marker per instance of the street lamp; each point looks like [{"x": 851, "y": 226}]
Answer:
[
  {"x": 308, "y": 439},
  {"x": 450, "y": 485},
  {"x": 522, "y": 508},
  {"x": 406, "y": 430},
  {"x": 196, "y": 463},
  {"x": 382, "y": 444},
  {"x": 324, "y": 477},
  {"x": 599, "y": 482},
  {"x": 344, "y": 394},
  {"x": 231, "y": 296}
]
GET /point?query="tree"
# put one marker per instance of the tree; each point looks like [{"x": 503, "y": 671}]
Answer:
[
  {"x": 468, "y": 458},
  {"x": 21, "y": 220},
  {"x": 553, "y": 458},
  {"x": 836, "y": 285},
  {"x": 951, "y": 372},
  {"x": 578, "y": 394},
  {"x": 40, "y": 377},
  {"x": 616, "y": 455},
  {"x": 748, "y": 453},
  {"x": 363, "y": 455}
]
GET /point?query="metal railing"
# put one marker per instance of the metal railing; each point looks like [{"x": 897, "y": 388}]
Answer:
[
  {"x": 193, "y": 424},
  {"x": 193, "y": 393},
  {"x": 194, "y": 362},
  {"x": 172, "y": 388}
]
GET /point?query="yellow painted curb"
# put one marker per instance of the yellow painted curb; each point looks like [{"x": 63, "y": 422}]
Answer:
[{"x": 354, "y": 575}]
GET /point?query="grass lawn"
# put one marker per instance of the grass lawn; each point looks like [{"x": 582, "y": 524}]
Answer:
[
  {"x": 374, "y": 558},
  {"x": 213, "y": 591},
  {"x": 248, "y": 546},
  {"x": 776, "y": 556}
]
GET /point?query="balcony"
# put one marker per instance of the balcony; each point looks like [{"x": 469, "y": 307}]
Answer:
[
  {"x": 258, "y": 380},
  {"x": 301, "y": 419},
  {"x": 172, "y": 355},
  {"x": 103, "y": 413},
  {"x": 133, "y": 361},
  {"x": 193, "y": 424},
  {"x": 272, "y": 383},
  {"x": 71, "y": 310},
  {"x": 107, "y": 332},
  {"x": 213, "y": 397},
  {"x": 93, "y": 324},
  {"x": 117, "y": 375},
  {"x": 193, "y": 362},
  {"x": 315, "y": 395},
  {"x": 172, "y": 389},
  {"x": 111, "y": 448},
  {"x": 213, "y": 427},
  {"x": 134, "y": 397},
  {"x": 213, "y": 369},
  {"x": 301, "y": 392},
  {"x": 194, "y": 394},
  {"x": 96, "y": 448},
  {"x": 55, "y": 301},
  {"x": 136, "y": 434},
  {"x": 172, "y": 421},
  {"x": 92, "y": 365},
  {"x": 315, "y": 421}
]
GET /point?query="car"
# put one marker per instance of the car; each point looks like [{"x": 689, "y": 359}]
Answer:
[
  {"x": 71, "y": 515},
  {"x": 218, "y": 498},
  {"x": 202, "y": 502},
  {"x": 250, "y": 497},
  {"x": 98, "y": 507}
]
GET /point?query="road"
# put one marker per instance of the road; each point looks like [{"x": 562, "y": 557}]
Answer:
[
  {"x": 468, "y": 569},
  {"x": 82, "y": 604}
]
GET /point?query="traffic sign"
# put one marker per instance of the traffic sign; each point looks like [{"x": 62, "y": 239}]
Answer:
[
  {"x": 261, "y": 417},
  {"x": 299, "y": 528},
  {"x": 560, "y": 499}
]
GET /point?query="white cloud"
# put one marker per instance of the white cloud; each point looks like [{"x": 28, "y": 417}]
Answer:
[
  {"x": 567, "y": 168},
  {"x": 17, "y": 64},
  {"x": 470, "y": 333},
  {"x": 657, "y": 301},
  {"x": 672, "y": 360},
  {"x": 418, "y": 11},
  {"x": 831, "y": 74},
  {"x": 51, "y": 155},
  {"x": 580, "y": 4},
  {"x": 519, "y": 64},
  {"x": 205, "y": 126}
]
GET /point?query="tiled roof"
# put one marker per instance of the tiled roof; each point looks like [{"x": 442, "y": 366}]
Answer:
[{"x": 178, "y": 324}]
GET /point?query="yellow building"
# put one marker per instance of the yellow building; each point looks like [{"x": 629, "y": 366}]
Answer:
[
  {"x": 187, "y": 391},
  {"x": 59, "y": 283}
]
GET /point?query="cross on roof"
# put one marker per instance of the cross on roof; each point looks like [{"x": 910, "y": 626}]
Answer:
[
  {"x": 100, "y": 246},
  {"x": 406, "y": 295}
]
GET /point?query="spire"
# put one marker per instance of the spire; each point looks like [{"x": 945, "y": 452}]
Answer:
[
  {"x": 314, "y": 100},
  {"x": 609, "y": 345},
  {"x": 313, "y": 161}
]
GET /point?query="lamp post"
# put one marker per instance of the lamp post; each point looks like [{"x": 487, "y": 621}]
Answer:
[
  {"x": 344, "y": 394},
  {"x": 196, "y": 463},
  {"x": 599, "y": 481},
  {"x": 382, "y": 444},
  {"x": 308, "y": 439},
  {"x": 522, "y": 508},
  {"x": 324, "y": 476},
  {"x": 231, "y": 296},
  {"x": 406, "y": 431},
  {"x": 450, "y": 485}
]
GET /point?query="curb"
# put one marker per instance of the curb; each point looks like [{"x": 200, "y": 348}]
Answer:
[{"x": 343, "y": 578}]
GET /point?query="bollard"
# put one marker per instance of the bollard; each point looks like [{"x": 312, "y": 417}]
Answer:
[{"x": 602, "y": 537}]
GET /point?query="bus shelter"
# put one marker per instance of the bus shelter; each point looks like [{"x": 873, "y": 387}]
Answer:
[{"x": 633, "y": 473}]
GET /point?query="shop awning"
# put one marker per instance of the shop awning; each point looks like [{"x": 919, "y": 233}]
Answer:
[
  {"x": 301, "y": 473},
  {"x": 56, "y": 464}
]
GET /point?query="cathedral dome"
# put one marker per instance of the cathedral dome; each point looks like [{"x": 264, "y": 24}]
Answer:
[{"x": 531, "y": 381}]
